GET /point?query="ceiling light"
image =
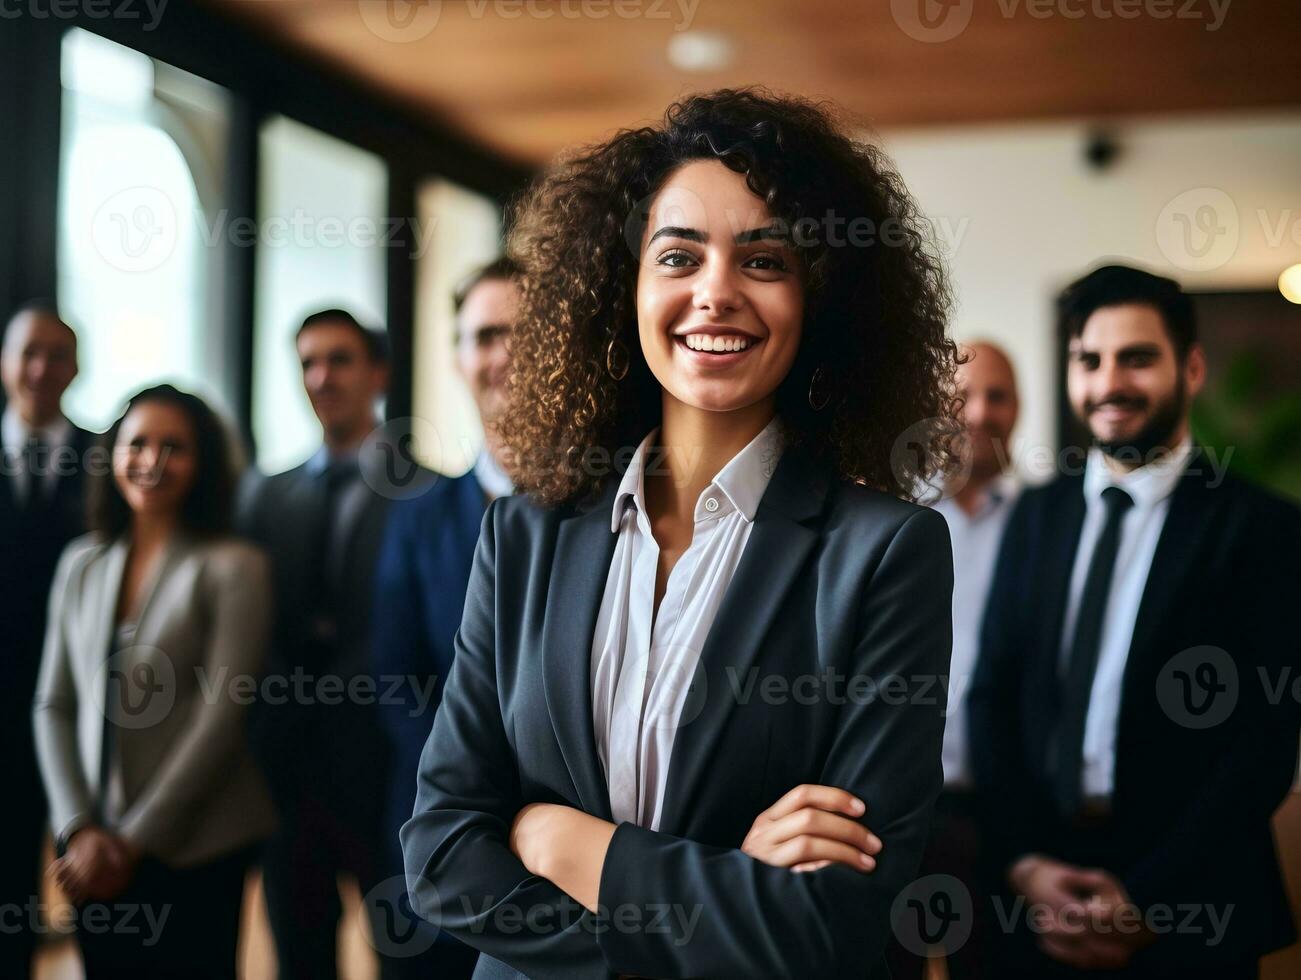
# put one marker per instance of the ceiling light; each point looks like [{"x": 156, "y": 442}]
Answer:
[
  {"x": 701, "y": 51},
  {"x": 1289, "y": 283}
]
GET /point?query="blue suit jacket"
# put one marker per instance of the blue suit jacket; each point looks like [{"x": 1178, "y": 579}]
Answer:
[{"x": 420, "y": 582}]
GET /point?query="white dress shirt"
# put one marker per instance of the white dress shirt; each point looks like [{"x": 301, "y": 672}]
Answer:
[
  {"x": 493, "y": 480},
  {"x": 641, "y": 675},
  {"x": 976, "y": 538},
  {"x": 15, "y": 433},
  {"x": 1150, "y": 487}
]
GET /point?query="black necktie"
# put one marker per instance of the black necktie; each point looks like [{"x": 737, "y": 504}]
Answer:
[
  {"x": 330, "y": 484},
  {"x": 1077, "y": 683},
  {"x": 34, "y": 466}
]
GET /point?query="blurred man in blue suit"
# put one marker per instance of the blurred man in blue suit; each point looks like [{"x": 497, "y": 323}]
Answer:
[{"x": 420, "y": 584}]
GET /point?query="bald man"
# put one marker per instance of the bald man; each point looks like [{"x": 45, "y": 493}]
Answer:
[
  {"x": 976, "y": 503},
  {"x": 40, "y": 511}
]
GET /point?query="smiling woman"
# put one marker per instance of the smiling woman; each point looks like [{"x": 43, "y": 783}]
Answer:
[
  {"x": 595, "y": 239},
  {"x": 601, "y": 768}
]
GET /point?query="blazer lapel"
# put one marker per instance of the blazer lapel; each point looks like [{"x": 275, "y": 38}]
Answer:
[
  {"x": 777, "y": 551},
  {"x": 584, "y": 547},
  {"x": 1186, "y": 524},
  {"x": 1059, "y": 562}
]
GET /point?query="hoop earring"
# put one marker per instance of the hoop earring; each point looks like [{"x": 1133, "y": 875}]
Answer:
[
  {"x": 818, "y": 381},
  {"x": 616, "y": 359}
]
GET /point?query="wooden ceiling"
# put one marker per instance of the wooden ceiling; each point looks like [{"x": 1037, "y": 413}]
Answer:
[{"x": 529, "y": 77}]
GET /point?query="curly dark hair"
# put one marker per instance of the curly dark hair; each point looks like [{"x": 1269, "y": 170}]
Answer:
[
  {"x": 208, "y": 509},
  {"x": 874, "y": 321}
]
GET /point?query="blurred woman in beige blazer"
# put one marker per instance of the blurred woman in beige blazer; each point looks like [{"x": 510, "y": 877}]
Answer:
[{"x": 157, "y": 629}]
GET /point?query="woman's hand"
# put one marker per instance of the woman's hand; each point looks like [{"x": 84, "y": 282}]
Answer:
[
  {"x": 97, "y": 866},
  {"x": 563, "y": 845},
  {"x": 805, "y": 831}
]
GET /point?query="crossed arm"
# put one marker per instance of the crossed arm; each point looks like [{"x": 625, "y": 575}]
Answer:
[{"x": 480, "y": 860}]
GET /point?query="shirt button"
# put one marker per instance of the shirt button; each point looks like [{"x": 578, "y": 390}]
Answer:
[{"x": 711, "y": 504}]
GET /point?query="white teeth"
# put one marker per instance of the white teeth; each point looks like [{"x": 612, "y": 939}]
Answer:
[{"x": 716, "y": 344}]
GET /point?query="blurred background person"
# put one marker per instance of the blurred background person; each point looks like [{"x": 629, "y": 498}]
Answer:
[
  {"x": 976, "y": 503},
  {"x": 322, "y": 523},
  {"x": 155, "y": 799},
  {"x": 1103, "y": 795},
  {"x": 420, "y": 583},
  {"x": 41, "y": 510}
]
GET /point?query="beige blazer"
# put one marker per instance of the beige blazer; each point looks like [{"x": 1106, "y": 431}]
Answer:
[{"x": 186, "y": 789}]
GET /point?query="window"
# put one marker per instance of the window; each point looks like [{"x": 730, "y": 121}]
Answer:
[
  {"x": 322, "y": 204},
  {"x": 141, "y": 183}
]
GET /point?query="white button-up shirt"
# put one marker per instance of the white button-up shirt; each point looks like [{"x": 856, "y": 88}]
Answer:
[
  {"x": 976, "y": 538},
  {"x": 642, "y": 674},
  {"x": 1150, "y": 487}
]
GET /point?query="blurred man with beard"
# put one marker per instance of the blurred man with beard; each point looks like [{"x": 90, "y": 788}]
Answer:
[
  {"x": 976, "y": 502},
  {"x": 1129, "y": 739}
]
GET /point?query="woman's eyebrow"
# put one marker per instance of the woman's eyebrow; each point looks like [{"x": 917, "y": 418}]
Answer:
[
  {"x": 676, "y": 231},
  {"x": 766, "y": 232}
]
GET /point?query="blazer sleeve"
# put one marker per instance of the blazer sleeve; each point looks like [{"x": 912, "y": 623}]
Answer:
[
  {"x": 1012, "y": 811},
  {"x": 461, "y": 874},
  {"x": 1240, "y": 793},
  {"x": 237, "y": 620},
  {"x": 755, "y": 919},
  {"x": 55, "y": 707}
]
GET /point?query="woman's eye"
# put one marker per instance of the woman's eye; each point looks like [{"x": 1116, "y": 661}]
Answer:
[
  {"x": 767, "y": 263},
  {"x": 677, "y": 259}
]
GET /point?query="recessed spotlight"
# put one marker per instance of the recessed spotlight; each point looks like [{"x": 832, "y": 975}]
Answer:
[
  {"x": 700, "y": 51},
  {"x": 1289, "y": 283}
]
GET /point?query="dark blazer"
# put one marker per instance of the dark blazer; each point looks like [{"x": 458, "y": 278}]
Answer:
[
  {"x": 1191, "y": 808},
  {"x": 836, "y": 581},
  {"x": 317, "y": 743},
  {"x": 420, "y": 582},
  {"x": 31, "y": 552}
]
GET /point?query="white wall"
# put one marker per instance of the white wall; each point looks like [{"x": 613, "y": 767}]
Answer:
[{"x": 1022, "y": 215}]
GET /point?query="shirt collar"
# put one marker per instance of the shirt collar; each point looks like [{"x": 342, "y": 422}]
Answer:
[
  {"x": 742, "y": 481},
  {"x": 492, "y": 478},
  {"x": 1148, "y": 485},
  {"x": 15, "y": 432},
  {"x": 999, "y": 495},
  {"x": 322, "y": 458}
]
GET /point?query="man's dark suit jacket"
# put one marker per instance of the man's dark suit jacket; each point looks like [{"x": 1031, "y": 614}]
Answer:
[
  {"x": 1191, "y": 808},
  {"x": 331, "y": 740},
  {"x": 31, "y": 551},
  {"x": 420, "y": 583},
  {"x": 840, "y": 589}
]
